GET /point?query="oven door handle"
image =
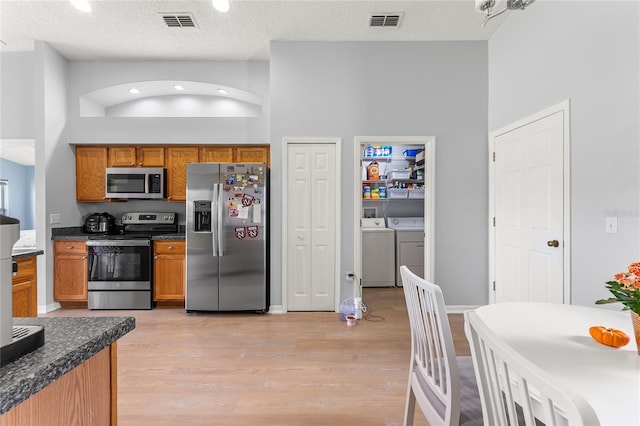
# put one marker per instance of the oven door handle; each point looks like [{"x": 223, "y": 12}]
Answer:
[{"x": 119, "y": 243}]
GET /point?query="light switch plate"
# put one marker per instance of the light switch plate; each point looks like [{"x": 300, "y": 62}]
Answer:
[
  {"x": 611, "y": 225},
  {"x": 54, "y": 218}
]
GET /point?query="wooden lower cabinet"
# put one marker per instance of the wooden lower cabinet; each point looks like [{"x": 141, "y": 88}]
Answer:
[
  {"x": 86, "y": 395},
  {"x": 70, "y": 271},
  {"x": 25, "y": 288},
  {"x": 169, "y": 270}
]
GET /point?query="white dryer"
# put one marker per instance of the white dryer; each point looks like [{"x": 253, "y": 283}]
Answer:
[
  {"x": 409, "y": 241},
  {"x": 378, "y": 260}
]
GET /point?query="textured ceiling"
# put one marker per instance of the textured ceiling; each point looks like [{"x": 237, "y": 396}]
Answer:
[{"x": 131, "y": 29}]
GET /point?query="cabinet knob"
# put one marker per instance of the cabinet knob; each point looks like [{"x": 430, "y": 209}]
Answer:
[
  {"x": 140, "y": 163},
  {"x": 84, "y": 257},
  {"x": 171, "y": 247},
  {"x": 133, "y": 164},
  {"x": 155, "y": 257},
  {"x": 69, "y": 247}
]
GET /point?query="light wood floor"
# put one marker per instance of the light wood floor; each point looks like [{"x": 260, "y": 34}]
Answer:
[{"x": 248, "y": 369}]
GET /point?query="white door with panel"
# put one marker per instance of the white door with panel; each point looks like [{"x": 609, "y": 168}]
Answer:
[
  {"x": 312, "y": 189},
  {"x": 528, "y": 190}
]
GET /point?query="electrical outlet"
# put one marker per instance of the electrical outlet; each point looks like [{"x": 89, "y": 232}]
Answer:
[
  {"x": 54, "y": 218},
  {"x": 611, "y": 225}
]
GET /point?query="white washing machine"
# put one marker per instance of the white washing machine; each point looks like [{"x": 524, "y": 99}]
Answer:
[
  {"x": 378, "y": 254},
  {"x": 409, "y": 244}
]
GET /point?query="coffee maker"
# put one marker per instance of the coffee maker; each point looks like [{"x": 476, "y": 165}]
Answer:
[{"x": 19, "y": 340}]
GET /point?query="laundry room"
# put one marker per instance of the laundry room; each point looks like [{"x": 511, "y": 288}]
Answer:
[{"x": 393, "y": 205}]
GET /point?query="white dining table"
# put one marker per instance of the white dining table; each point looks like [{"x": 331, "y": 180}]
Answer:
[{"x": 556, "y": 338}]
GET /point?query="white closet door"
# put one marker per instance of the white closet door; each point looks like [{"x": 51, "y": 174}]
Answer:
[{"x": 311, "y": 209}]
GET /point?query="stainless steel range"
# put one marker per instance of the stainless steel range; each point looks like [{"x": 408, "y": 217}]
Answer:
[{"x": 120, "y": 272}]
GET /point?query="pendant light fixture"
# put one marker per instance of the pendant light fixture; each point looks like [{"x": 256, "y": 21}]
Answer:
[
  {"x": 82, "y": 5},
  {"x": 221, "y": 5}
]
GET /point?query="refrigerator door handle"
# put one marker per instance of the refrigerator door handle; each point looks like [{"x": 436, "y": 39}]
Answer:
[
  {"x": 219, "y": 224},
  {"x": 214, "y": 218}
]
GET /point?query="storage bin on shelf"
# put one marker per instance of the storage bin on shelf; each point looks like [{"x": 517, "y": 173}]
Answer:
[
  {"x": 399, "y": 174},
  {"x": 397, "y": 193},
  {"x": 416, "y": 193},
  {"x": 420, "y": 158}
]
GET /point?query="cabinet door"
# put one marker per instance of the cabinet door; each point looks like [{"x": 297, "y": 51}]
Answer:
[
  {"x": 70, "y": 271},
  {"x": 122, "y": 156},
  {"x": 25, "y": 302},
  {"x": 91, "y": 163},
  {"x": 169, "y": 272},
  {"x": 25, "y": 288},
  {"x": 177, "y": 159},
  {"x": 251, "y": 154},
  {"x": 150, "y": 156},
  {"x": 216, "y": 154}
]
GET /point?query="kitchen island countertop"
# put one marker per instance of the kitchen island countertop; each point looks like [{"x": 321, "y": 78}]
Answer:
[{"x": 68, "y": 342}]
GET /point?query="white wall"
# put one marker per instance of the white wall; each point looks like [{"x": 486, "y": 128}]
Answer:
[
  {"x": 55, "y": 182},
  {"x": 588, "y": 52},
  {"x": 16, "y": 102},
  {"x": 349, "y": 89},
  {"x": 86, "y": 77}
]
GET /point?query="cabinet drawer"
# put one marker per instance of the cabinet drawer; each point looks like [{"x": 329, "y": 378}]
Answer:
[
  {"x": 70, "y": 247},
  {"x": 26, "y": 269},
  {"x": 175, "y": 247}
]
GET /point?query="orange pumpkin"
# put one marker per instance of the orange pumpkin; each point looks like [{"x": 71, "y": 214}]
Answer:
[{"x": 609, "y": 336}]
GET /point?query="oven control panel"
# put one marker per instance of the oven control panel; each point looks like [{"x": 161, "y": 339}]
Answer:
[{"x": 148, "y": 218}]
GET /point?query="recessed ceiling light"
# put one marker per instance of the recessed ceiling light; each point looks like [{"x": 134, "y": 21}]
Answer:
[
  {"x": 222, "y": 91},
  {"x": 221, "y": 5},
  {"x": 134, "y": 91},
  {"x": 178, "y": 87},
  {"x": 82, "y": 5}
]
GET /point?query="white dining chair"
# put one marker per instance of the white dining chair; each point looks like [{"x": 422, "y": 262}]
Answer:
[
  {"x": 512, "y": 387},
  {"x": 443, "y": 385}
]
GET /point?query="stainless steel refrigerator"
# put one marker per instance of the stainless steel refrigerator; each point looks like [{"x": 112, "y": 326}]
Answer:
[{"x": 227, "y": 237}]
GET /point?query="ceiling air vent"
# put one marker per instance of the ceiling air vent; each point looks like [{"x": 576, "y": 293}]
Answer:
[
  {"x": 390, "y": 20},
  {"x": 179, "y": 20}
]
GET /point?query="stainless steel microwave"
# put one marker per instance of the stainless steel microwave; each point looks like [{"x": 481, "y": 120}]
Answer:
[{"x": 135, "y": 182}]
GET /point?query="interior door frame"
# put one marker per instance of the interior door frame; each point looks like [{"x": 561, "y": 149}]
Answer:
[
  {"x": 337, "y": 141},
  {"x": 563, "y": 107},
  {"x": 429, "y": 143}
]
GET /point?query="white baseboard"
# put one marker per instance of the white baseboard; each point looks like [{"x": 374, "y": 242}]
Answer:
[
  {"x": 276, "y": 309},
  {"x": 43, "y": 309},
  {"x": 460, "y": 309}
]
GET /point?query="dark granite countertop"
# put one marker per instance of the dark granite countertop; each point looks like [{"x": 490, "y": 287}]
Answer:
[
  {"x": 77, "y": 233},
  {"x": 25, "y": 252},
  {"x": 180, "y": 236},
  {"x": 68, "y": 342}
]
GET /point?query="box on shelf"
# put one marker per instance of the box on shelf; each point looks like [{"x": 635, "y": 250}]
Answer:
[
  {"x": 397, "y": 193},
  {"x": 416, "y": 193},
  {"x": 420, "y": 157},
  {"x": 399, "y": 174}
]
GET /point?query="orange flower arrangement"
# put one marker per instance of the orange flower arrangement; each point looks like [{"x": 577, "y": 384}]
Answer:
[{"x": 625, "y": 289}]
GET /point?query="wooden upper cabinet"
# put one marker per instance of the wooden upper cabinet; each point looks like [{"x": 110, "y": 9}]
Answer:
[
  {"x": 216, "y": 154},
  {"x": 151, "y": 156},
  {"x": 177, "y": 158},
  {"x": 251, "y": 154},
  {"x": 140, "y": 156},
  {"x": 91, "y": 163}
]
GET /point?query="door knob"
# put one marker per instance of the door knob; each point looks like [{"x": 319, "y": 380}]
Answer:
[{"x": 553, "y": 243}]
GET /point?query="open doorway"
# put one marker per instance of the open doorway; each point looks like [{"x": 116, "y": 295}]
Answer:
[{"x": 400, "y": 191}]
